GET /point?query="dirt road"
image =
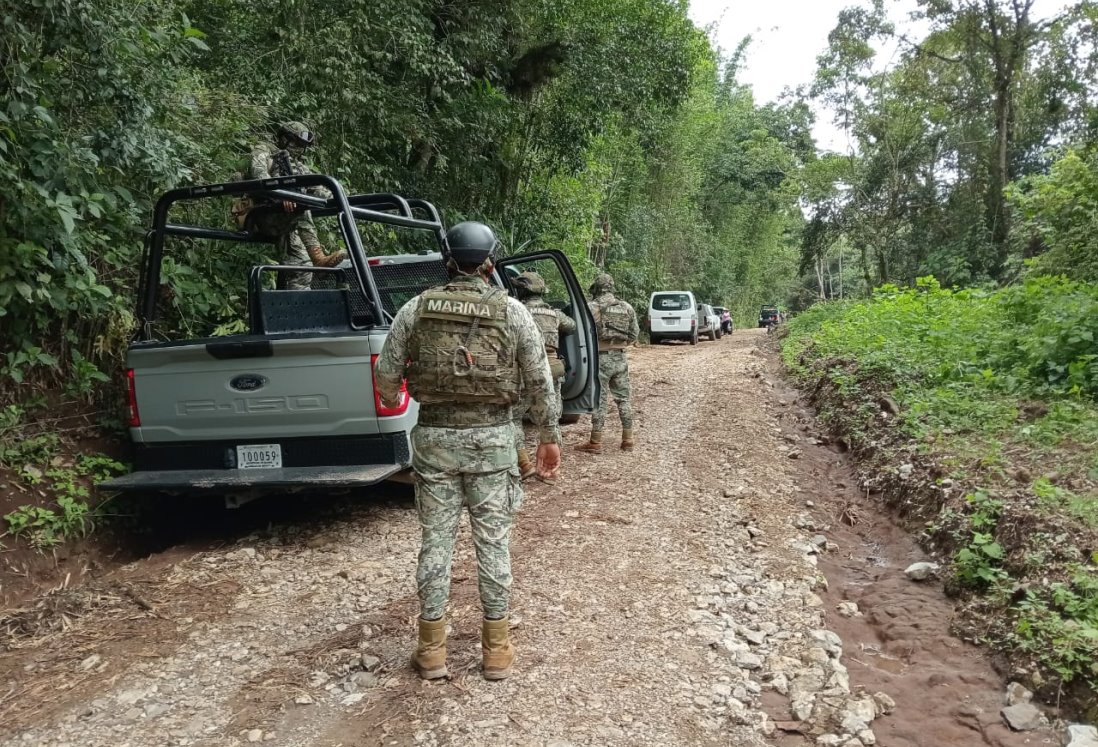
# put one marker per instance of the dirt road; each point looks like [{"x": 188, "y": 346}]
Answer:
[{"x": 684, "y": 594}]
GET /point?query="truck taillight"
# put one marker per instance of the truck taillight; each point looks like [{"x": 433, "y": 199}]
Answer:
[
  {"x": 382, "y": 410},
  {"x": 134, "y": 418},
  {"x": 693, "y": 323}
]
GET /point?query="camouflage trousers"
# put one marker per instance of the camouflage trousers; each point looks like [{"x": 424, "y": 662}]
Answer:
[
  {"x": 614, "y": 378},
  {"x": 475, "y": 468},
  {"x": 519, "y": 412},
  {"x": 293, "y": 234}
]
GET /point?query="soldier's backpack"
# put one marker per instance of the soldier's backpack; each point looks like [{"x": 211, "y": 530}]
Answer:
[
  {"x": 548, "y": 322},
  {"x": 613, "y": 321},
  {"x": 240, "y": 207}
]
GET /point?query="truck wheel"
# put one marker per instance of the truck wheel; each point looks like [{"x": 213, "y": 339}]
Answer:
[
  {"x": 654, "y": 339},
  {"x": 694, "y": 338},
  {"x": 712, "y": 335}
]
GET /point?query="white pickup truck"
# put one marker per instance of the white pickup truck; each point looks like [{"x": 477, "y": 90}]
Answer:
[{"x": 290, "y": 402}]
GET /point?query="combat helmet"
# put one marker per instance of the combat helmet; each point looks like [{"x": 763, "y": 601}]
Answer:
[
  {"x": 470, "y": 244},
  {"x": 297, "y": 134},
  {"x": 603, "y": 284},
  {"x": 529, "y": 284}
]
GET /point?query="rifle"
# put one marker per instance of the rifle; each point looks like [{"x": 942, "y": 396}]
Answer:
[
  {"x": 282, "y": 164},
  {"x": 283, "y": 167}
]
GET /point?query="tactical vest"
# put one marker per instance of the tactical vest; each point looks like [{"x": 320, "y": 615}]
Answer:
[
  {"x": 462, "y": 349},
  {"x": 613, "y": 321},
  {"x": 545, "y": 316}
]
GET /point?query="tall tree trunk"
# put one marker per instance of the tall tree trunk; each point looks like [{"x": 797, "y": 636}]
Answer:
[
  {"x": 865, "y": 270},
  {"x": 997, "y": 219},
  {"x": 1009, "y": 42}
]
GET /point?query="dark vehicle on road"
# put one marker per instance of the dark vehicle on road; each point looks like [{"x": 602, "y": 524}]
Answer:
[{"x": 769, "y": 316}]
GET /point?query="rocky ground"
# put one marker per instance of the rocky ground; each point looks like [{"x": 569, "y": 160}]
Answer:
[{"x": 725, "y": 583}]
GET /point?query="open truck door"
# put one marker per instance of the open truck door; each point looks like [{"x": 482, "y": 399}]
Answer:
[{"x": 580, "y": 390}]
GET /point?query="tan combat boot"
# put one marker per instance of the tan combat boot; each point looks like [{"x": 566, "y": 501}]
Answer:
[
  {"x": 430, "y": 656},
  {"x": 499, "y": 654},
  {"x": 594, "y": 446},
  {"x": 627, "y": 439},
  {"x": 527, "y": 468}
]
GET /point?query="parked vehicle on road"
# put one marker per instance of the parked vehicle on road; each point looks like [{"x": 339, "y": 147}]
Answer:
[
  {"x": 726, "y": 319},
  {"x": 289, "y": 401},
  {"x": 672, "y": 315},
  {"x": 769, "y": 316},
  {"x": 709, "y": 322}
]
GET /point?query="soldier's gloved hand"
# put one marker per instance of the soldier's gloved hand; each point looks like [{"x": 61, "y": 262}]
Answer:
[
  {"x": 548, "y": 461},
  {"x": 320, "y": 259},
  {"x": 334, "y": 259},
  {"x": 289, "y": 206}
]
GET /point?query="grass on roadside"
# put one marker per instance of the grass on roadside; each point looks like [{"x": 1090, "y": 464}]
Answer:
[
  {"x": 55, "y": 477},
  {"x": 993, "y": 392}
]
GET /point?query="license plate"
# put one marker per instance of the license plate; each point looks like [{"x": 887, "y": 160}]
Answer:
[{"x": 259, "y": 456}]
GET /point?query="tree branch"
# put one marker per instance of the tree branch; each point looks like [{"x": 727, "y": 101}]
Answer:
[{"x": 929, "y": 52}]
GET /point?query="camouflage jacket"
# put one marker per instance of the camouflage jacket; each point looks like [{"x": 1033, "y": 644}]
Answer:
[{"x": 533, "y": 364}]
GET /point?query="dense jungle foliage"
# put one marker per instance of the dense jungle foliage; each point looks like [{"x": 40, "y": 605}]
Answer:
[{"x": 612, "y": 129}]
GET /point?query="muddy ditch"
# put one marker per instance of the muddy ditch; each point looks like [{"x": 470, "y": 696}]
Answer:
[{"x": 899, "y": 639}]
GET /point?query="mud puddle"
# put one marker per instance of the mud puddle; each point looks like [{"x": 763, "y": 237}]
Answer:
[{"x": 948, "y": 691}]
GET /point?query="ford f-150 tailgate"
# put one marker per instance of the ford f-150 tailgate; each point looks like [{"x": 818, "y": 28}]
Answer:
[{"x": 262, "y": 411}]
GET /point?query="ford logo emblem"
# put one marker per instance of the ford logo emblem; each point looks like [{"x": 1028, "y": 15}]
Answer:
[{"x": 248, "y": 382}]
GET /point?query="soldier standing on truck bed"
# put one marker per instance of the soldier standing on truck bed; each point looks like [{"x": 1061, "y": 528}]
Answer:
[
  {"x": 616, "y": 324},
  {"x": 552, "y": 323},
  {"x": 467, "y": 350},
  {"x": 285, "y": 222}
]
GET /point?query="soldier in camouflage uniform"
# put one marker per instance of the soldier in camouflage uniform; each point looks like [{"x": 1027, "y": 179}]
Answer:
[
  {"x": 290, "y": 226},
  {"x": 467, "y": 350},
  {"x": 616, "y": 325},
  {"x": 552, "y": 323}
]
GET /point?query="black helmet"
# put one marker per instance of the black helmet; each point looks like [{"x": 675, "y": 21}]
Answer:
[
  {"x": 297, "y": 134},
  {"x": 470, "y": 243}
]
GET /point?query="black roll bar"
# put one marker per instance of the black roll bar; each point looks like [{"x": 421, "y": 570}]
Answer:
[{"x": 373, "y": 207}]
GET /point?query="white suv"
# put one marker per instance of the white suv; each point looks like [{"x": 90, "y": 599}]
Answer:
[
  {"x": 672, "y": 315},
  {"x": 709, "y": 322}
]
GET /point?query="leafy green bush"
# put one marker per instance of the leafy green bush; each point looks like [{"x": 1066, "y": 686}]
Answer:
[
  {"x": 1060, "y": 208},
  {"x": 1033, "y": 339},
  {"x": 1047, "y": 345},
  {"x": 46, "y": 526},
  {"x": 978, "y": 563}
]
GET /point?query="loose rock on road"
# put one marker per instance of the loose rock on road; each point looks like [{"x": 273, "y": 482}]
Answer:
[{"x": 669, "y": 596}]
